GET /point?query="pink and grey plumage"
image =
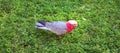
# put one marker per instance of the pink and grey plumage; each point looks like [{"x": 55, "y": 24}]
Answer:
[{"x": 57, "y": 27}]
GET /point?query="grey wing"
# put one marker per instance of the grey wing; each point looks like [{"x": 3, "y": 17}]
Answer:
[{"x": 57, "y": 27}]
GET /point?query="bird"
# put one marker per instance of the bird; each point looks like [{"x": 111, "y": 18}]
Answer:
[{"x": 58, "y": 27}]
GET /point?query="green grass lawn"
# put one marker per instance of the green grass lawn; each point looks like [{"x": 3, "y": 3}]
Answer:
[{"x": 98, "y": 28}]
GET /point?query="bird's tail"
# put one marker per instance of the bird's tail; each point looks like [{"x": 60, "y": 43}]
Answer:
[{"x": 41, "y": 25}]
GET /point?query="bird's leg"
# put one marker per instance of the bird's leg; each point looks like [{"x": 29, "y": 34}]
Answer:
[{"x": 59, "y": 36}]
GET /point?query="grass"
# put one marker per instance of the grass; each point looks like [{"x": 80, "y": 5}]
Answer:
[{"x": 98, "y": 30}]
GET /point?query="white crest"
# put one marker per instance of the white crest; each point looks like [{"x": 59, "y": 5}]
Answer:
[{"x": 72, "y": 22}]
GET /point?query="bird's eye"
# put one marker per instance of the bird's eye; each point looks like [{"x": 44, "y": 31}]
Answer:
[{"x": 74, "y": 24}]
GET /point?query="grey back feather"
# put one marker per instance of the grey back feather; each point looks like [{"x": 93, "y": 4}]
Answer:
[{"x": 57, "y": 27}]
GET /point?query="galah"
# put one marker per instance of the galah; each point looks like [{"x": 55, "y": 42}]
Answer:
[{"x": 57, "y": 27}]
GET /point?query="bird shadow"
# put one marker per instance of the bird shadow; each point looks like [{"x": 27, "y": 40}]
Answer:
[{"x": 46, "y": 36}]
